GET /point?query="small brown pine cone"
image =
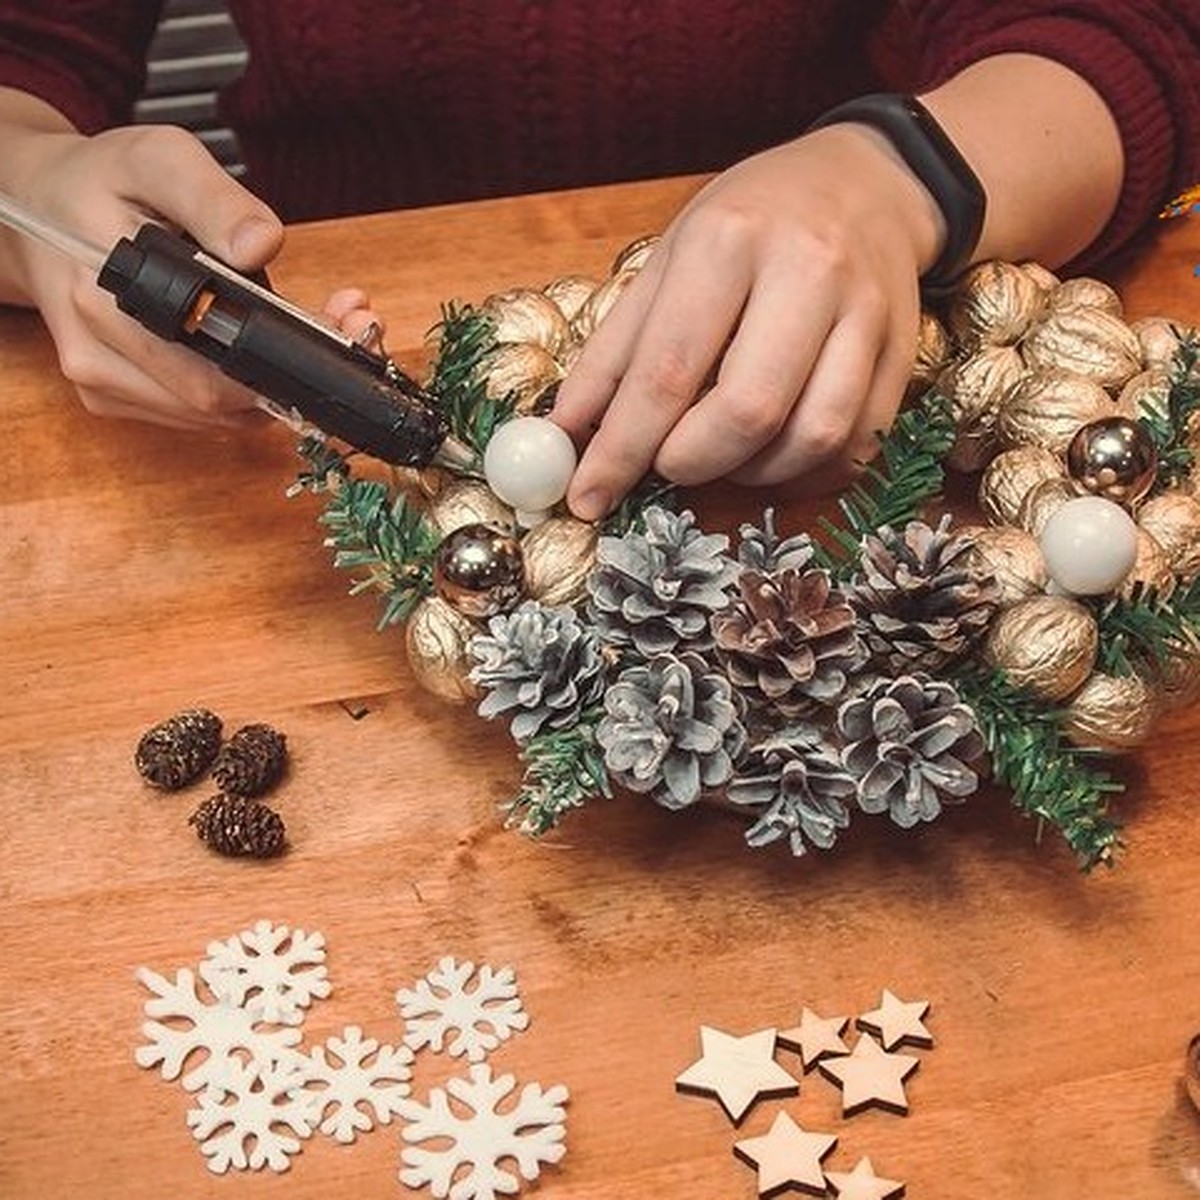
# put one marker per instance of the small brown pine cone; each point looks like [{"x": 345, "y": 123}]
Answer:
[
  {"x": 239, "y": 828},
  {"x": 173, "y": 753},
  {"x": 251, "y": 761},
  {"x": 789, "y": 642}
]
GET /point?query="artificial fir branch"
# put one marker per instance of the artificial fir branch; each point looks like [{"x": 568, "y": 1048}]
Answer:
[
  {"x": 390, "y": 538},
  {"x": 466, "y": 337},
  {"x": 1169, "y": 425},
  {"x": 629, "y": 515},
  {"x": 1140, "y": 632},
  {"x": 327, "y": 466},
  {"x": 893, "y": 493},
  {"x": 1049, "y": 778},
  {"x": 564, "y": 768}
]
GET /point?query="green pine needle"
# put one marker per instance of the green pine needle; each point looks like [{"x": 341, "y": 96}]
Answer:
[
  {"x": 1050, "y": 779},
  {"x": 564, "y": 768},
  {"x": 466, "y": 337},
  {"x": 389, "y": 538},
  {"x": 1139, "y": 633},
  {"x": 1168, "y": 425},
  {"x": 893, "y": 493}
]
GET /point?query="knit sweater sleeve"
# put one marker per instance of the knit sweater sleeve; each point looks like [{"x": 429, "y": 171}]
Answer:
[
  {"x": 1141, "y": 56},
  {"x": 86, "y": 58}
]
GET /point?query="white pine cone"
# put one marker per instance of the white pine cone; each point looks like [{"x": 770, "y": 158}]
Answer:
[
  {"x": 655, "y": 591},
  {"x": 671, "y": 728},
  {"x": 763, "y": 549},
  {"x": 541, "y": 664},
  {"x": 797, "y": 779},
  {"x": 909, "y": 743}
]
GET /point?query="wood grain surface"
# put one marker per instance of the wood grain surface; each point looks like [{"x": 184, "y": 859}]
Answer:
[{"x": 143, "y": 571}]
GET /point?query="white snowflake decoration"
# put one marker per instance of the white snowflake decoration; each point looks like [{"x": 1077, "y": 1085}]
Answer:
[
  {"x": 356, "y": 1073},
  {"x": 483, "y": 1016},
  {"x": 530, "y": 1133},
  {"x": 220, "y": 1028},
  {"x": 242, "y": 1117},
  {"x": 280, "y": 970}
]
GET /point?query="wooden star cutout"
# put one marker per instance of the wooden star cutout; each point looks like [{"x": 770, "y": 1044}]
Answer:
[
  {"x": 898, "y": 1022},
  {"x": 737, "y": 1070},
  {"x": 787, "y": 1157},
  {"x": 815, "y": 1037},
  {"x": 870, "y": 1076},
  {"x": 863, "y": 1184}
]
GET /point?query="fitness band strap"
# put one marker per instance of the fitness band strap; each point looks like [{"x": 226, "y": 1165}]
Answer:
[{"x": 936, "y": 162}]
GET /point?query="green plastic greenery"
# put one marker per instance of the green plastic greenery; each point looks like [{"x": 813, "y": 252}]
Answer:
[
  {"x": 564, "y": 768},
  {"x": 465, "y": 337},
  {"x": 1056, "y": 783},
  {"x": 1169, "y": 424},
  {"x": 893, "y": 491}
]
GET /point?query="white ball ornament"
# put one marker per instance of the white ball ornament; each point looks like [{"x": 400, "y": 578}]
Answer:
[
  {"x": 1089, "y": 545},
  {"x": 528, "y": 463}
]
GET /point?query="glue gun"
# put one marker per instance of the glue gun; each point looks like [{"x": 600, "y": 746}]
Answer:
[{"x": 299, "y": 366}]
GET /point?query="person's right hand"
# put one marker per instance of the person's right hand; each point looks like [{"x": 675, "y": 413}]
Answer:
[{"x": 102, "y": 188}]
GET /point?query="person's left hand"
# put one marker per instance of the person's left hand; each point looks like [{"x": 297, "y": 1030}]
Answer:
[{"x": 770, "y": 335}]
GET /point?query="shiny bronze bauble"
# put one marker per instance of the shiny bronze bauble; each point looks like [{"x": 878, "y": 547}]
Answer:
[
  {"x": 1114, "y": 457},
  {"x": 478, "y": 570}
]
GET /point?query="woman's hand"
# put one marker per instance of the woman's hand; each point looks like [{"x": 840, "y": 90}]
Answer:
[
  {"x": 771, "y": 333},
  {"x": 101, "y": 188}
]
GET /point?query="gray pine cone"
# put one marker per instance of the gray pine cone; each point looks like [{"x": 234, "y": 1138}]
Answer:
[
  {"x": 790, "y": 643},
  {"x": 542, "y": 664},
  {"x": 671, "y": 728},
  {"x": 909, "y": 743},
  {"x": 655, "y": 591},
  {"x": 919, "y": 604},
  {"x": 763, "y": 550},
  {"x": 797, "y": 779}
]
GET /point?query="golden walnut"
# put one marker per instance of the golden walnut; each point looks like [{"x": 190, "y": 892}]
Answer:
[
  {"x": 1049, "y": 406},
  {"x": 523, "y": 371},
  {"x": 1111, "y": 713},
  {"x": 527, "y": 315},
  {"x": 1010, "y": 556},
  {"x": 1082, "y": 292},
  {"x": 994, "y": 304},
  {"x": 1046, "y": 644},
  {"x": 976, "y": 389},
  {"x": 467, "y": 501},
  {"x": 633, "y": 257},
  {"x": 1173, "y": 520},
  {"x": 599, "y": 304},
  {"x": 1011, "y": 476},
  {"x": 1088, "y": 341},
  {"x": 570, "y": 293},
  {"x": 436, "y": 639},
  {"x": 1043, "y": 500},
  {"x": 933, "y": 354},
  {"x": 1151, "y": 568},
  {"x": 559, "y": 556}
]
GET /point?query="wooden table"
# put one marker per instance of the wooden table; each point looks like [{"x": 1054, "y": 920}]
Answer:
[{"x": 144, "y": 571}]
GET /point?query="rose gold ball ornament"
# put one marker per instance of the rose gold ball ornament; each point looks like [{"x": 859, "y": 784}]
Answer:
[
  {"x": 528, "y": 463},
  {"x": 1089, "y": 545},
  {"x": 478, "y": 570},
  {"x": 1115, "y": 458}
]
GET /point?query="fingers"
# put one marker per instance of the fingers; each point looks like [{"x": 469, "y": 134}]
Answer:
[
  {"x": 685, "y": 327},
  {"x": 172, "y": 174}
]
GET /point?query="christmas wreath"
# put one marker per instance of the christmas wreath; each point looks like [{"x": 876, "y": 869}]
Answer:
[{"x": 883, "y": 664}]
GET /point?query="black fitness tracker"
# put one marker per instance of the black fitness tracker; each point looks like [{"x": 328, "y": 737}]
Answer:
[{"x": 936, "y": 162}]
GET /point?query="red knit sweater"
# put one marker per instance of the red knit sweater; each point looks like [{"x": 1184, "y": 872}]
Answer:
[{"x": 372, "y": 104}]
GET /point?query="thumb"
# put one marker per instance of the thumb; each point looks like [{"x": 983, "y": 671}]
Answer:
[{"x": 175, "y": 174}]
